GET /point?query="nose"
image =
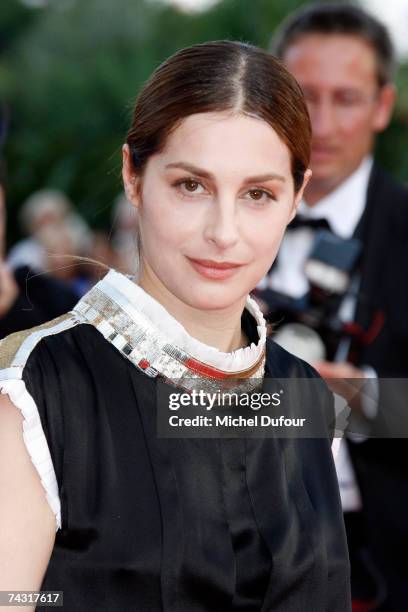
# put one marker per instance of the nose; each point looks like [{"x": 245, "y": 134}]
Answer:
[
  {"x": 323, "y": 117},
  {"x": 222, "y": 225}
]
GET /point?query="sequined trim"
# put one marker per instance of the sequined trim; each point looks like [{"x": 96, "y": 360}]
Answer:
[
  {"x": 135, "y": 337},
  {"x": 134, "y": 300}
]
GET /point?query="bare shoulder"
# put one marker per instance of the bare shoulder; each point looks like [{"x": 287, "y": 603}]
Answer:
[{"x": 27, "y": 523}]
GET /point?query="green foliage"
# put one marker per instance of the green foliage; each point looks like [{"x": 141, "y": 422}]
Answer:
[
  {"x": 71, "y": 80},
  {"x": 75, "y": 75},
  {"x": 14, "y": 19},
  {"x": 392, "y": 145},
  {"x": 71, "y": 71}
]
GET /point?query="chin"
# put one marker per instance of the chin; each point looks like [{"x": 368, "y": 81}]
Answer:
[{"x": 213, "y": 298}]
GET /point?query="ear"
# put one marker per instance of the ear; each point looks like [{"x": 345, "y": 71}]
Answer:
[
  {"x": 299, "y": 195},
  {"x": 384, "y": 107},
  {"x": 131, "y": 181}
]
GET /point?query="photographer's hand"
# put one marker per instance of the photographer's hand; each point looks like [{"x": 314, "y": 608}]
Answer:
[{"x": 343, "y": 379}]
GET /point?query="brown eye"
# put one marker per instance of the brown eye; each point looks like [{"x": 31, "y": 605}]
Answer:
[
  {"x": 257, "y": 194},
  {"x": 187, "y": 186},
  {"x": 191, "y": 185}
]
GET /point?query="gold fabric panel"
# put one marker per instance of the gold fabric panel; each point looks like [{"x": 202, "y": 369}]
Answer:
[{"x": 10, "y": 345}]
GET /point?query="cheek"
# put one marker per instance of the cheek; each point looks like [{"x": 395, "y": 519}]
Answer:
[
  {"x": 265, "y": 237},
  {"x": 358, "y": 129},
  {"x": 163, "y": 228}
]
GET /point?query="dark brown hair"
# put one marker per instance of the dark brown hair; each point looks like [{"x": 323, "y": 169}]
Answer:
[{"x": 215, "y": 77}]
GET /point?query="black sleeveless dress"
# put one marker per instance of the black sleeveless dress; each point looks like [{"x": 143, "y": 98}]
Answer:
[{"x": 180, "y": 525}]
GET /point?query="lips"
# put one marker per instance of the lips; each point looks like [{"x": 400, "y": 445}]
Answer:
[
  {"x": 323, "y": 151},
  {"x": 219, "y": 265},
  {"x": 214, "y": 270}
]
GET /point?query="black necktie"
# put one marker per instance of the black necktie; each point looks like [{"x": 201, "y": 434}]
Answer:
[{"x": 300, "y": 221}]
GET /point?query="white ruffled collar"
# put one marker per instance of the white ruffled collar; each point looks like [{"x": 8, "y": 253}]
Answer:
[{"x": 169, "y": 327}]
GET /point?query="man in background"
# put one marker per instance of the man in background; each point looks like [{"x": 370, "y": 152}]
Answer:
[
  {"x": 343, "y": 60},
  {"x": 27, "y": 297}
]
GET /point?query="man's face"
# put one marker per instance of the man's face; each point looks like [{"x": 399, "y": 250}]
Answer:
[{"x": 347, "y": 107}]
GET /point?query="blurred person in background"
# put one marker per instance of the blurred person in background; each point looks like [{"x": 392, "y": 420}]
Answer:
[
  {"x": 55, "y": 233},
  {"x": 340, "y": 279},
  {"x": 125, "y": 236},
  {"x": 27, "y": 298},
  {"x": 101, "y": 252},
  {"x": 117, "y": 248},
  {"x": 65, "y": 243},
  {"x": 42, "y": 208}
]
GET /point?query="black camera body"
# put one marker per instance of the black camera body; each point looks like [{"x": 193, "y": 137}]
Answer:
[{"x": 330, "y": 269}]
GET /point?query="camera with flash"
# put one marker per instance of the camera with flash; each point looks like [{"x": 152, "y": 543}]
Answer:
[{"x": 312, "y": 326}]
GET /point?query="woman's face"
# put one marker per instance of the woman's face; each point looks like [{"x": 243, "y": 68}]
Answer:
[{"x": 213, "y": 207}]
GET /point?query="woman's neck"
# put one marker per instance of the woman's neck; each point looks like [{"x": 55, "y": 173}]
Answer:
[{"x": 218, "y": 328}]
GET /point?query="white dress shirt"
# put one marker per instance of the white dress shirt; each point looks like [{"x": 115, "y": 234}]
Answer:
[{"x": 342, "y": 208}]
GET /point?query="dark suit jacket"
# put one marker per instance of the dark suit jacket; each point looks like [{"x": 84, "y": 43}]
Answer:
[
  {"x": 384, "y": 273},
  {"x": 381, "y": 465}
]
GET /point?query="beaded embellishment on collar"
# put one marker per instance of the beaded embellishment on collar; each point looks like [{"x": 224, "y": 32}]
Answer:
[{"x": 147, "y": 335}]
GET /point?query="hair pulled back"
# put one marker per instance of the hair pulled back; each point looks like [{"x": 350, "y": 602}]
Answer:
[{"x": 220, "y": 76}]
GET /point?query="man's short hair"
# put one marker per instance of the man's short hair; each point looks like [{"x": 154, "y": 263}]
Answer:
[{"x": 336, "y": 18}]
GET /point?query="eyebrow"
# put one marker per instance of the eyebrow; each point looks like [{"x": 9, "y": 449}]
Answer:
[{"x": 208, "y": 175}]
